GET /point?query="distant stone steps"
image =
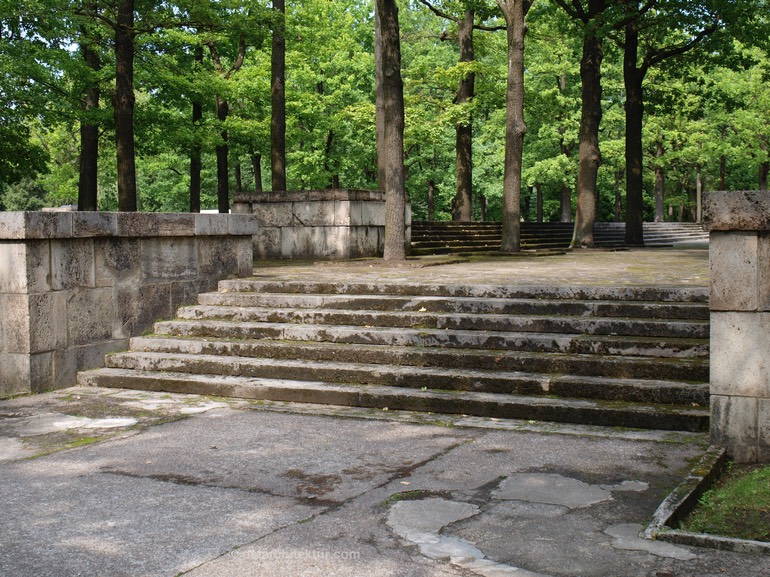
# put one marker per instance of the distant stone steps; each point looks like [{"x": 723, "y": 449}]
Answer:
[
  {"x": 457, "y": 237},
  {"x": 625, "y": 356}
]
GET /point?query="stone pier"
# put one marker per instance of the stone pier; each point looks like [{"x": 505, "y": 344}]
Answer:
[
  {"x": 739, "y": 226},
  {"x": 74, "y": 286}
]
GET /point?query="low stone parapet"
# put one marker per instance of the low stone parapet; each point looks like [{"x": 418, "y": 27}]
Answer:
[
  {"x": 74, "y": 286},
  {"x": 739, "y": 227},
  {"x": 325, "y": 224}
]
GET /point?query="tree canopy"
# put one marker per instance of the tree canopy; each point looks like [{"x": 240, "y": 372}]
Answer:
[{"x": 202, "y": 81}]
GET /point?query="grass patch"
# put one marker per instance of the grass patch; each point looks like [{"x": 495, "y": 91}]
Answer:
[{"x": 737, "y": 506}]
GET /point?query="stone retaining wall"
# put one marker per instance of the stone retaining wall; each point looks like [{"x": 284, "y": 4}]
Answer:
[
  {"x": 327, "y": 224},
  {"x": 739, "y": 225},
  {"x": 74, "y": 286}
]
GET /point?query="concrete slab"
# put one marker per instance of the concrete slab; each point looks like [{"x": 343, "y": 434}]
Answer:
[{"x": 211, "y": 488}]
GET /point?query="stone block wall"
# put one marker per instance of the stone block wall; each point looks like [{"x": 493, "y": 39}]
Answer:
[
  {"x": 74, "y": 286},
  {"x": 325, "y": 224},
  {"x": 739, "y": 231}
]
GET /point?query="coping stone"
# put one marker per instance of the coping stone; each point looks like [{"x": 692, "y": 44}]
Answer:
[{"x": 736, "y": 210}]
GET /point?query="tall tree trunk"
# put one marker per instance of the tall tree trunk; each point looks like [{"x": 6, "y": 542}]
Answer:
[
  {"x": 256, "y": 166},
  {"x": 590, "y": 157},
  {"x": 223, "y": 185},
  {"x": 278, "y": 99},
  {"x": 764, "y": 169},
  {"x": 123, "y": 101},
  {"x": 660, "y": 182},
  {"x": 89, "y": 137},
  {"x": 565, "y": 203},
  {"x": 393, "y": 143},
  {"x": 539, "y": 197},
  {"x": 463, "y": 205},
  {"x": 698, "y": 195},
  {"x": 483, "y": 207},
  {"x": 515, "y": 12},
  {"x": 238, "y": 177},
  {"x": 197, "y": 148},
  {"x": 632, "y": 78}
]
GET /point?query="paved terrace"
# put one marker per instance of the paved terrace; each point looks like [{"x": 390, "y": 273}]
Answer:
[{"x": 125, "y": 483}]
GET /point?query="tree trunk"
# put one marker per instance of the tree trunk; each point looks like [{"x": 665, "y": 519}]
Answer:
[
  {"x": 565, "y": 203},
  {"x": 123, "y": 101},
  {"x": 223, "y": 185},
  {"x": 238, "y": 177},
  {"x": 256, "y": 166},
  {"x": 764, "y": 170},
  {"x": 196, "y": 151},
  {"x": 463, "y": 205},
  {"x": 431, "y": 198},
  {"x": 483, "y": 207},
  {"x": 632, "y": 78},
  {"x": 278, "y": 99},
  {"x": 660, "y": 183},
  {"x": 698, "y": 195},
  {"x": 393, "y": 142},
  {"x": 89, "y": 138},
  {"x": 590, "y": 157},
  {"x": 539, "y": 201},
  {"x": 514, "y": 12}
]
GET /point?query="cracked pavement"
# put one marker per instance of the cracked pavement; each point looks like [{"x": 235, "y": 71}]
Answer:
[{"x": 114, "y": 483}]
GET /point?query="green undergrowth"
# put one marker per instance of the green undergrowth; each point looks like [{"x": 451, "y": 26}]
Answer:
[{"x": 737, "y": 506}]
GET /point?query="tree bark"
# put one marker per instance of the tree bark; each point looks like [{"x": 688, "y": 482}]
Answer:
[
  {"x": 660, "y": 183},
  {"x": 463, "y": 205},
  {"x": 123, "y": 101},
  {"x": 431, "y": 198},
  {"x": 589, "y": 154},
  {"x": 764, "y": 172},
  {"x": 618, "y": 196},
  {"x": 632, "y": 78},
  {"x": 698, "y": 195},
  {"x": 89, "y": 138},
  {"x": 393, "y": 142},
  {"x": 565, "y": 204},
  {"x": 379, "y": 102},
  {"x": 539, "y": 197},
  {"x": 223, "y": 184},
  {"x": 278, "y": 99},
  {"x": 197, "y": 148},
  {"x": 515, "y": 12}
]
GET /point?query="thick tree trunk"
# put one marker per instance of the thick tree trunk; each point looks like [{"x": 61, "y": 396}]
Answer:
[
  {"x": 618, "y": 196},
  {"x": 393, "y": 142},
  {"x": 197, "y": 149},
  {"x": 123, "y": 102},
  {"x": 633, "y": 77},
  {"x": 660, "y": 183},
  {"x": 89, "y": 138},
  {"x": 278, "y": 99},
  {"x": 463, "y": 205},
  {"x": 256, "y": 166},
  {"x": 223, "y": 185},
  {"x": 515, "y": 12},
  {"x": 590, "y": 157}
]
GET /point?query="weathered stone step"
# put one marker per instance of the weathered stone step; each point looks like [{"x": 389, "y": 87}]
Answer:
[
  {"x": 449, "y": 338},
  {"x": 568, "y": 292},
  {"x": 615, "y": 366},
  {"x": 397, "y": 398},
  {"x": 478, "y": 380},
  {"x": 455, "y": 321},
  {"x": 470, "y": 305}
]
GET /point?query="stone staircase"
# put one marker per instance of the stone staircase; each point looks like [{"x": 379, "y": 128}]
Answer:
[
  {"x": 458, "y": 237},
  {"x": 630, "y": 357}
]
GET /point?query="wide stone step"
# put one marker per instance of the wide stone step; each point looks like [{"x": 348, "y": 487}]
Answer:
[
  {"x": 455, "y": 321},
  {"x": 469, "y": 305},
  {"x": 398, "y": 398},
  {"x": 561, "y": 292},
  {"x": 449, "y": 338},
  {"x": 615, "y": 366},
  {"x": 478, "y": 380}
]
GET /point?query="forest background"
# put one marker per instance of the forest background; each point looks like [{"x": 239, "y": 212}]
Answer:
[{"x": 202, "y": 81}]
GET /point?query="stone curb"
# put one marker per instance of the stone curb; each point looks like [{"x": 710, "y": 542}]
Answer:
[{"x": 683, "y": 499}]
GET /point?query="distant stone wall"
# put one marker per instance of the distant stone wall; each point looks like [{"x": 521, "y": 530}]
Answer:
[
  {"x": 74, "y": 286},
  {"x": 739, "y": 226},
  {"x": 324, "y": 224}
]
